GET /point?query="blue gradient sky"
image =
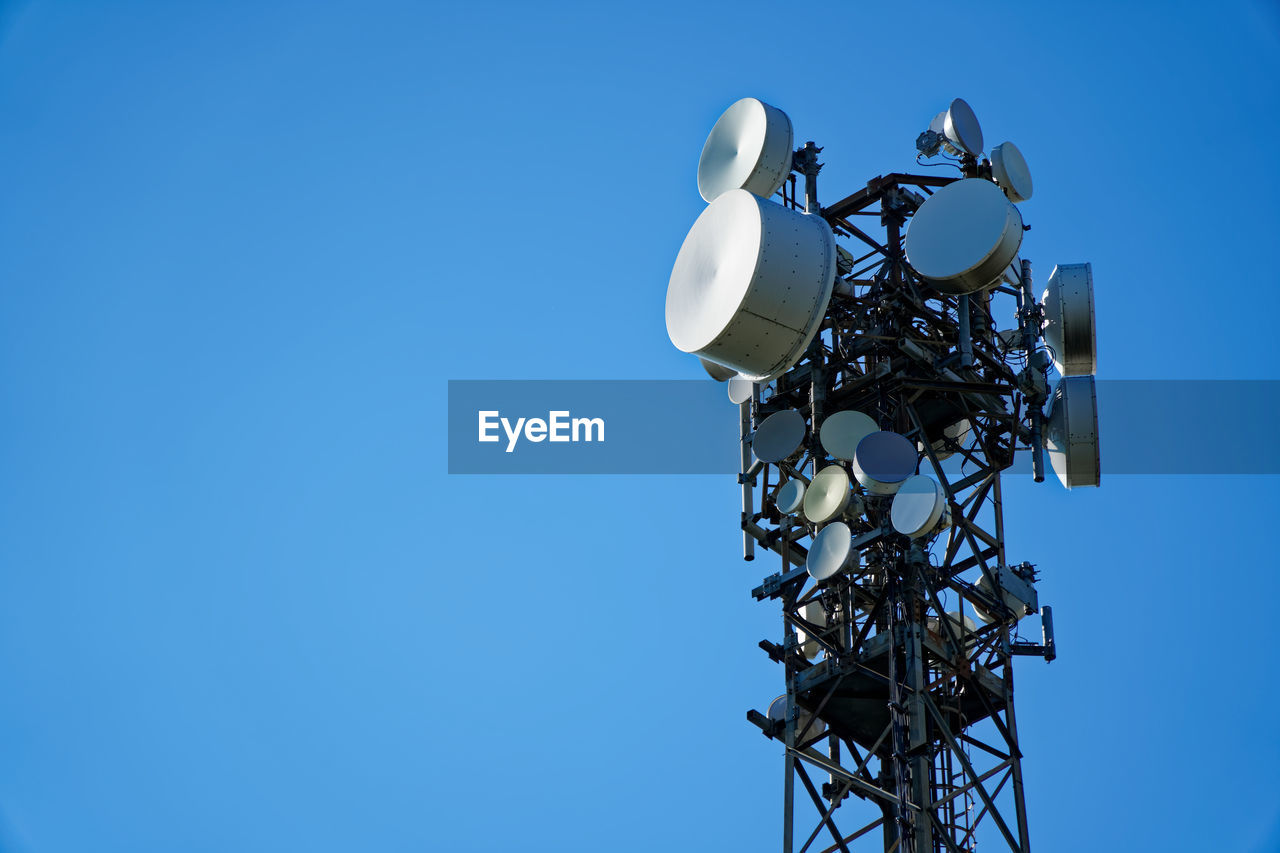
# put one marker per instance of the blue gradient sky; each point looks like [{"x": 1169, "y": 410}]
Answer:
[{"x": 243, "y": 247}]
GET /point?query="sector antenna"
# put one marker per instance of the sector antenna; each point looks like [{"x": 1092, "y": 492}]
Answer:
[{"x": 886, "y": 381}]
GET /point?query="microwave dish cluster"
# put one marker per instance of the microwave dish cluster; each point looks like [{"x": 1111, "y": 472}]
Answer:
[
  {"x": 859, "y": 366},
  {"x": 753, "y": 278}
]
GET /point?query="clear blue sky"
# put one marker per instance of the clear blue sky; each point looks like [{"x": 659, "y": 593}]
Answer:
[{"x": 243, "y": 246}]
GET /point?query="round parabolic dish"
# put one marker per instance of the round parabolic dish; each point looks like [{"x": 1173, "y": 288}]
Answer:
[
  {"x": 749, "y": 148},
  {"x": 830, "y": 551},
  {"x": 961, "y": 127},
  {"x": 964, "y": 236},
  {"x": 842, "y": 431},
  {"x": 779, "y": 436},
  {"x": 957, "y": 432},
  {"x": 740, "y": 390},
  {"x": 750, "y": 285},
  {"x": 1071, "y": 433},
  {"x": 718, "y": 372},
  {"x": 790, "y": 497},
  {"x": 778, "y": 713},
  {"x": 827, "y": 495},
  {"x": 1069, "y": 326},
  {"x": 918, "y": 506},
  {"x": 883, "y": 461},
  {"x": 1009, "y": 168}
]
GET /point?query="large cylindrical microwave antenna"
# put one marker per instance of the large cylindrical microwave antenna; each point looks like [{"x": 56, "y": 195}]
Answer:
[
  {"x": 964, "y": 236},
  {"x": 1069, "y": 325},
  {"x": 1071, "y": 432},
  {"x": 750, "y": 285},
  {"x": 749, "y": 148}
]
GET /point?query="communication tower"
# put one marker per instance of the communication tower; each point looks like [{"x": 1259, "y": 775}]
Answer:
[{"x": 880, "y": 401}]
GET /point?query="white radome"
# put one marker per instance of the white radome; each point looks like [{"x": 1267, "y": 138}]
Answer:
[
  {"x": 1010, "y": 170},
  {"x": 841, "y": 432},
  {"x": 831, "y": 551},
  {"x": 964, "y": 236},
  {"x": 828, "y": 495},
  {"x": 1069, "y": 328},
  {"x": 1071, "y": 432},
  {"x": 749, "y": 148},
  {"x": 779, "y": 436},
  {"x": 750, "y": 285},
  {"x": 919, "y": 507}
]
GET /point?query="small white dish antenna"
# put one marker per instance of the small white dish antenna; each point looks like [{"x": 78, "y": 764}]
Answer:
[
  {"x": 1009, "y": 168},
  {"x": 956, "y": 433},
  {"x": 960, "y": 129},
  {"x": 827, "y": 495},
  {"x": 919, "y": 507},
  {"x": 1069, "y": 326},
  {"x": 779, "y": 436},
  {"x": 1071, "y": 432},
  {"x": 831, "y": 551},
  {"x": 964, "y": 236},
  {"x": 740, "y": 390},
  {"x": 842, "y": 431},
  {"x": 751, "y": 285},
  {"x": 718, "y": 372},
  {"x": 883, "y": 461},
  {"x": 778, "y": 713},
  {"x": 815, "y": 613},
  {"x": 790, "y": 497},
  {"x": 749, "y": 148}
]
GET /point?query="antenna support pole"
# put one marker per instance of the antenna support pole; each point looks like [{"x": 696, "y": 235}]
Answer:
[
  {"x": 1030, "y": 314},
  {"x": 806, "y": 161}
]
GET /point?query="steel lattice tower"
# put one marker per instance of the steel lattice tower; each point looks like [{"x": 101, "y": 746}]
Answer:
[{"x": 903, "y": 721}]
